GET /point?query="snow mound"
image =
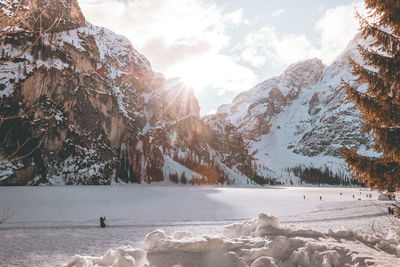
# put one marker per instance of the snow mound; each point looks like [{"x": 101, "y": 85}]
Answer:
[
  {"x": 255, "y": 243},
  {"x": 259, "y": 226},
  {"x": 121, "y": 257}
]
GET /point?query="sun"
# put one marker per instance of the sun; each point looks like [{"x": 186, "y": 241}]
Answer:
[{"x": 191, "y": 72}]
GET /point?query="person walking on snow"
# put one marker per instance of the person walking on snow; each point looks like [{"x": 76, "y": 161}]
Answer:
[{"x": 102, "y": 224}]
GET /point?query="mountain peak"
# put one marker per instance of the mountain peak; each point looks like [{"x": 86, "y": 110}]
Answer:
[
  {"x": 302, "y": 73},
  {"x": 47, "y": 15}
]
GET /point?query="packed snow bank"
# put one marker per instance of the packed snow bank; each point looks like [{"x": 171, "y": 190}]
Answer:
[{"x": 255, "y": 243}]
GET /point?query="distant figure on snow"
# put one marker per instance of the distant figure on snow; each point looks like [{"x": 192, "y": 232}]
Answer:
[
  {"x": 390, "y": 211},
  {"x": 304, "y": 197},
  {"x": 320, "y": 197},
  {"x": 341, "y": 193},
  {"x": 353, "y": 196},
  {"x": 102, "y": 224}
]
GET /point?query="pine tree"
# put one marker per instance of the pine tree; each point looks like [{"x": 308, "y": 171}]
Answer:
[
  {"x": 173, "y": 177},
  {"x": 183, "y": 178},
  {"x": 380, "y": 104}
]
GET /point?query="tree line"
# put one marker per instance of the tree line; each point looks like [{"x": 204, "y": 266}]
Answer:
[{"x": 323, "y": 175}]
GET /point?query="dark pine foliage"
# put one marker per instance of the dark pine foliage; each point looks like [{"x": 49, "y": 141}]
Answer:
[
  {"x": 261, "y": 180},
  {"x": 210, "y": 170},
  {"x": 317, "y": 176},
  {"x": 380, "y": 103},
  {"x": 173, "y": 177},
  {"x": 183, "y": 178}
]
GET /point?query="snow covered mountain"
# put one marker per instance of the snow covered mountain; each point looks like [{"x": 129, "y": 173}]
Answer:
[
  {"x": 301, "y": 118},
  {"x": 96, "y": 113}
]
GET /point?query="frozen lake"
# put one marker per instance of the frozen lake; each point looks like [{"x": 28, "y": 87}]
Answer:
[{"x": 51, "y": 224}]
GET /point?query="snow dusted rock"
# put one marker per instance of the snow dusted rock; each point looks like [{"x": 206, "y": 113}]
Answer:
[
  {"x": 241, "y": 245},
  {"x": 302, "y": 117},
  {"x": 302, "y": 74},
  {"x": 99, "y": 111},
  {"x": 68, "y": 12},
  {"x": 103, "y": 116}
]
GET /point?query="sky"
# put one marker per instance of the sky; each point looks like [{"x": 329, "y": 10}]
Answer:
[{"x": 222, "y": 47}]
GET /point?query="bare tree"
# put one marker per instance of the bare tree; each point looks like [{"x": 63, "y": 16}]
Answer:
[
  {"x": 19, "y": 152},
  {"x": 17, "y": 18},
  {"x": 6, "y": 214}
]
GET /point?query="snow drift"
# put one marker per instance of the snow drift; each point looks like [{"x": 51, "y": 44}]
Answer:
[{"x": 257, "y": 242}]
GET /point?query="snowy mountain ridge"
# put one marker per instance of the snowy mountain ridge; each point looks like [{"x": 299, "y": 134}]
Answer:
[
  {"x": 99, "y": 114},
  {"x": 302, "y": 117},
  {"x": 281, "y": 90}
]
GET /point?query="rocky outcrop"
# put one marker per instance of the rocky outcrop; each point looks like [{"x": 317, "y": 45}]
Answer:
[
  {"x": 97, "y": 113},
  {"x": 302, "y": 117}
]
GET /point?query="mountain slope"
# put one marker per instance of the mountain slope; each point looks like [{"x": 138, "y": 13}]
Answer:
[
  {"x": 95, "y": 112},
  {"x": 302, "y": 117}
]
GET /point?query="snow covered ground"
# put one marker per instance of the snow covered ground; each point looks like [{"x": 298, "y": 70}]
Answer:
[{"x": 52, "y": 224}]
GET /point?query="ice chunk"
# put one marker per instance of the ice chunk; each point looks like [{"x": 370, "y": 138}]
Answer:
[
  {"x": 182, "y": 235},
  {"x": 262, "y": 225},
  {"x": 121, "y": 257},
  {"x": 153, "y": 238}
]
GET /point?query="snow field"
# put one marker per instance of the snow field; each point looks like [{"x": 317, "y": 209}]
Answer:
[
  {"x": 255, "y": 243},
  {"x": 52, "y": 224}
]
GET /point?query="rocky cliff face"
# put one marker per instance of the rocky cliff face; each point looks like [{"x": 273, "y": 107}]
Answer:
[
  {"x": 302, "y": 117},
  {"x": 96, "y": 113}
]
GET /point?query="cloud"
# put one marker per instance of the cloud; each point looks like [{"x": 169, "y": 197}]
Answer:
[
  {"x": 266, "y": 45},
  {"x": 277, "y": 13},
  {"x": 171, "y": 20},
  {"x": 235, "y": 17},
  {"x": 194, "y": 39},
  {"x": 182, "y": 38},
  {"x": 335, "y": 29},
  {"x": 164, "y": 55}
]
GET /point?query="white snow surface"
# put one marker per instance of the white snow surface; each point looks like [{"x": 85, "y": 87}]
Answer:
[
  {"x": 52, "y": 224},
  {"x": 257, "y": 242}
]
